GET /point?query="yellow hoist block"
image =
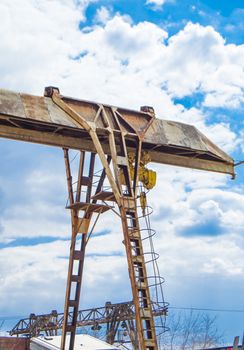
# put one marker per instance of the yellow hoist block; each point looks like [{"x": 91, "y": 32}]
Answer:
[
  {"x": 143, "y": 202},
  {"x": 146, "y": 176}
]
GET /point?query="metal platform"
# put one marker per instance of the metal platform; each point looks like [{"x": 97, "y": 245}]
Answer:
[
  {"x": 104, "y": 196},
  {"x": 90, "y": 207}
]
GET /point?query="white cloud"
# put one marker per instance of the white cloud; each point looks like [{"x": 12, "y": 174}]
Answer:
[
  {"x": 156, "y": 2},
  {"x": 37, "y": 52},
  {"x": 32, "y": 274},
  {"x": 196, "y": 200},
  {"x": 194, "y": 60},
  {"x": 44, "y": 266},
  {"x": 35, "y": 36},
  {"x": 242, "y": 140},
  {"x": 102, "y": 15},
  {"x": 198, "y": 60},
  {"x": 126, "y": 64}
]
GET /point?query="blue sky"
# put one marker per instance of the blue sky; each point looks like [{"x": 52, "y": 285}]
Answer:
[
  {"x": 185, "y": 58},
  {"x": 173, "y": 15}
]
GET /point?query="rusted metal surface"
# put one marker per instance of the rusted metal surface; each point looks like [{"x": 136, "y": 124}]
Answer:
[
  {"x": 113, "y": 122},
  {"x": 79, "y": 239},
  {"x": 38, "y": 119},
  {"x": 124, "y": 193},
  {"x": 14, "y": 343},
  {"x": 107, "y": 315},
  {"x": 111, "y": 133}
]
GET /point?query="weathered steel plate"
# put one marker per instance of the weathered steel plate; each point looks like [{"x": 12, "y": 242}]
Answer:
[
  {"x": 11, "y": 104},
  {"x": 38, "y": 119}
]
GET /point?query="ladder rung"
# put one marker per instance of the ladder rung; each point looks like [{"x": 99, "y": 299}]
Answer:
[
  {"x": 150, "y": 344},
  {"x": 89, "y": 207},
  {"x": 134, "y": 239},
  {"x": 145, "y": 314},
  {"x": 130, "y": 212},
  {"x": 137, "y": 258},
  {"x": 73, "y": 303},
  {"x": 85, "y": 181},
  {"x": 141, "y": 285},
  {"x": 70, "y": 328},
  {"x": 75, "y": 278},
  {"x": 129, "y": 204},
  {"x": 134, "y": 233},
  {"x": 140, "y": 288},
  {"x": 77, "y": 255}
]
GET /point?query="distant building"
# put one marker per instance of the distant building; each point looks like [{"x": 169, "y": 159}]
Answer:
[
  {"x": 9, "y": 343},
  {"x": 82, "y": 342}
]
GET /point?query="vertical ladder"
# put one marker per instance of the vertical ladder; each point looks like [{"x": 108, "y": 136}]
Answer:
[
  {"x": 76, "y": 259},
  {"x": 132, "y": 236},
  {"x": 138, "y": 275},
  {"x": 80, "y": 227}
]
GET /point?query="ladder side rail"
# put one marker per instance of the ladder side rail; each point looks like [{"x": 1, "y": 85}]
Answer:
[
  {"x": 126, "y": 172},
  {"x": 72, "y": 247},
  {"x": 80, "y": 173},
  {"x": 82, "y": 248},
  {"x": 141, "y": 298},
  {"x": 75, "y": 225}
]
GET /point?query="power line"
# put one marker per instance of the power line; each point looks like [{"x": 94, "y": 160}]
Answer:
[
  {"x": 206, "y": 309},
  {"x": 6, "y": 318},
  {"x": 239, "y": 163},
  {"x": 170, "y": 307}
]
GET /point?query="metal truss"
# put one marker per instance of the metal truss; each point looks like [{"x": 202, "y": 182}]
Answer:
[
  {"x": 124, "y": 187},
  {"x": 114, "y": 318}
]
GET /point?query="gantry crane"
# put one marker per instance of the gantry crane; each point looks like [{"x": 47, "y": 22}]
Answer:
[
  {"x": 124, "y": 141},
  {"x": 115, "y": 320}
]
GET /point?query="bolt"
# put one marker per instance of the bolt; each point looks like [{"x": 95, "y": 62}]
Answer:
[
  {"x": 50, "y": 90},
  {"x": 147, "y": 109}
]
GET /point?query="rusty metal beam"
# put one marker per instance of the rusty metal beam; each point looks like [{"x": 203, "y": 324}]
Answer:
[
  {"x": 52, "y": 322},
  {"x": 40, "y": 120}
]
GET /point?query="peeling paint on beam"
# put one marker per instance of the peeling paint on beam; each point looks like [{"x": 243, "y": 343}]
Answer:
[{"x": 37, "y": 119}]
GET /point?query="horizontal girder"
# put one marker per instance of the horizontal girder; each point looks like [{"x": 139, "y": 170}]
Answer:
[
  {"x": 88, "y": 317},
  {"x": 38, "y": 119}
]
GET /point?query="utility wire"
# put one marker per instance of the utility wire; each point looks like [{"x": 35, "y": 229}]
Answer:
[
  {"x": 6, "y": 318},
  {"x": 239, "y": 163},
  {"x": 206, "y": 309},
  {"x": 169, "y": 307}
]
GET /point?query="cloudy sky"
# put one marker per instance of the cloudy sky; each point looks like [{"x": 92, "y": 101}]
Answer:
[{"x": 185, "y": 58}]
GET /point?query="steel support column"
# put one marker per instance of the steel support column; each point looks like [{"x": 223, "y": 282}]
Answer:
[{"x": 124, "y": 192}]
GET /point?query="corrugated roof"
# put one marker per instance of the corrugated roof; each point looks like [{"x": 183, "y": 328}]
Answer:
[{"x": 82, "y": 342}]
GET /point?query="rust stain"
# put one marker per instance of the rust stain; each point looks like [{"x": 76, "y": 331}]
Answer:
[
  {"x": 35, "y": 108},
  {"x": 166, "y": 139}
]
